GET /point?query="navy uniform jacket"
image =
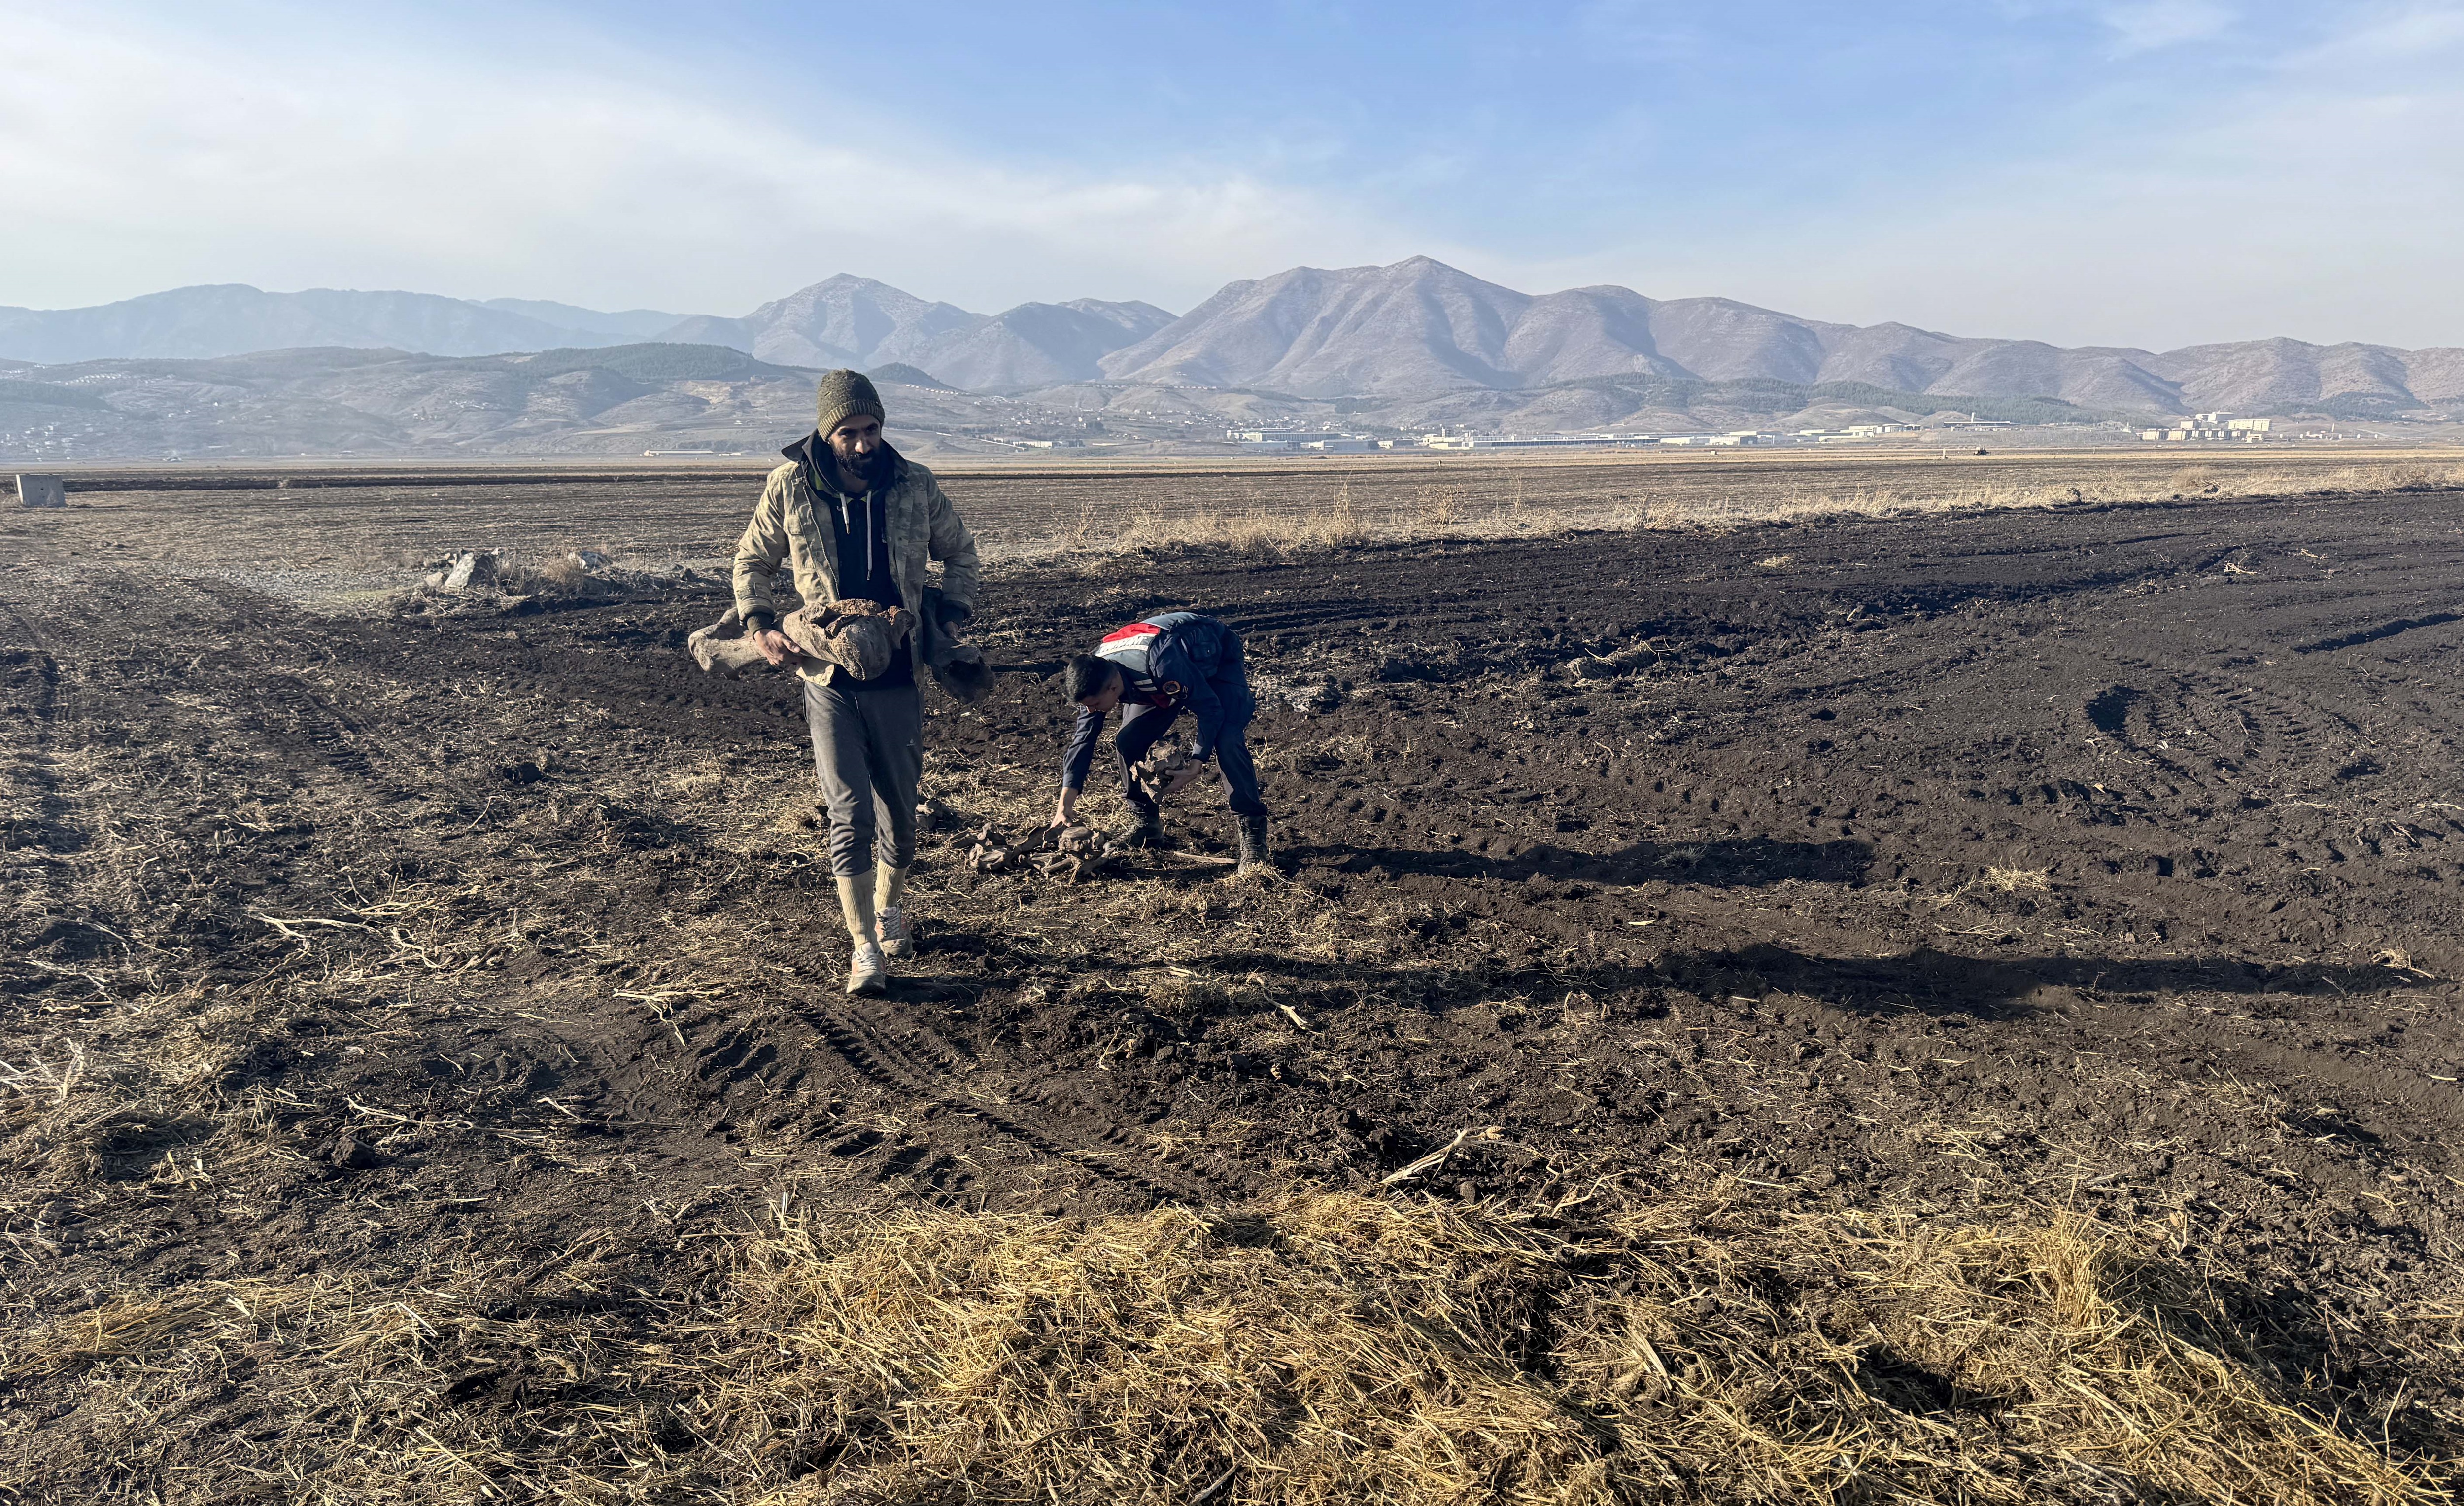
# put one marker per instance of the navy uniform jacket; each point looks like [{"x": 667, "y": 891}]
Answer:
[{"x": 1173, "y": 662}]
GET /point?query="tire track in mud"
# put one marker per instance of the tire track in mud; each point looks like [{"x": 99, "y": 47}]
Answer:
[
  {"x": 309, "y": 721},
  {"x": 63, "y": 724},
  {"x": 57, "y": 806},
  {"x": 907, "y": 1058},
  {"x": 2263, "y": 734},
  {"x": 869, "y": 1047},
  {"x": 308, "y": 717}
]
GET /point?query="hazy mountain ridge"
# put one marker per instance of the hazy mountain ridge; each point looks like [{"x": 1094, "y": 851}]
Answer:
[
  {"x": 607, "y": 400},
  {"x": 840, "y": 321},
  {"x": 233, "y": 318},
  {"x": 621, "y": 400},
  {"x": 1411, "y": 332},
  {"x": 1421, "y": 328},
  {"x": 857, "y": 321},
  {"x": 632, "y": 323}
]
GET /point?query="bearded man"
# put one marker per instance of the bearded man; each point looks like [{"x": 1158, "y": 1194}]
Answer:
[{"x": 857, "y": 520}]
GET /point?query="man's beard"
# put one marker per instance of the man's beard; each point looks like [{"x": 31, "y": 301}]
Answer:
[{"x": 873, "y": 470}]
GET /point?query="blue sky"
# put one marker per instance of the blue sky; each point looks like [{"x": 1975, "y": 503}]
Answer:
[{"x": 2150, "y": 172}]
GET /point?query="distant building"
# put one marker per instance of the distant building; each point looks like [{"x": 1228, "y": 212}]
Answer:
[
  {"x": 1443, "y": 441},
  {"x": 2213, "y": 426},
  {"x": 1284, "y": 438}
]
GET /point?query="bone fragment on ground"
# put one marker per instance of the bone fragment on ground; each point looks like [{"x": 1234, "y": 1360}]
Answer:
[
  {"x": 1155, "y": 770},
  {"x": 471, "y": 567}
]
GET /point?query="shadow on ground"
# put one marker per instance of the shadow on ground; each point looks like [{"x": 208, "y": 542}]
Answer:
[
  {"x": 1738, "y": 863},
  {"x": 1940, "y": 983}
]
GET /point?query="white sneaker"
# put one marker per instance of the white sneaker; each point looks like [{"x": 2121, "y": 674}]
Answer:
[
  {"x": 868, "y": 972},
  {"x": 895, "y": 938}
]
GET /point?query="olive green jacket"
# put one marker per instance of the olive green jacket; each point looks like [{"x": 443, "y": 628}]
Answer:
[{"x": 791, "y": 523}]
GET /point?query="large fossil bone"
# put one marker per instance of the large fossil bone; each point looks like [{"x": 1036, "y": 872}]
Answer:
[
  {"x": 858, "y": 636},
  {"x": 848, "y": 633}
]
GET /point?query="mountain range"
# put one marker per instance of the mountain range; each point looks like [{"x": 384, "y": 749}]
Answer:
[
  {"x": 233, "y": 318},
  {"x": 1415, "y": 330},
  {"x": 849, "y": 321},
  {"x": 1423, "y": 326}
]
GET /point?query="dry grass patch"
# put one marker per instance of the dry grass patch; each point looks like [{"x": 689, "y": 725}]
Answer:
[
  {"x": 1280, "y": 511},
  {"x": 1336, "y": 1348},
  {"x": 1311, "y": 1348}
]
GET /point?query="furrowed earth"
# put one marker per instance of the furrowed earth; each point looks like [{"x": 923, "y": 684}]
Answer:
[{"x": 422, "y": 1031}]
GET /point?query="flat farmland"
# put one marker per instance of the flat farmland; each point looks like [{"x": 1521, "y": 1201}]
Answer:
[
  {"x": 1826, "y": 977},
  {"x": 316, "y": 530}
]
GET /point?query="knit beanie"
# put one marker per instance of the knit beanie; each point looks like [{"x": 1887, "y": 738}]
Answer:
[{"x": 843, "y": 395}]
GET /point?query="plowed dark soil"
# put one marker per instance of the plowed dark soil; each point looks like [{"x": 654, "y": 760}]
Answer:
[{"x": 2108, "y": 858}]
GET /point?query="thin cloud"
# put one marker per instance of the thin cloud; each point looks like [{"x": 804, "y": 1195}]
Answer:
[
  {"x": 347, "y": 170},
  {"x": 2298, "y": 180},
  {"x": 2153, "y": 24}
]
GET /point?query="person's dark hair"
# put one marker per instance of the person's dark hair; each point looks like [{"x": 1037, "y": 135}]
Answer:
[{"x": 1088, "y": 676}]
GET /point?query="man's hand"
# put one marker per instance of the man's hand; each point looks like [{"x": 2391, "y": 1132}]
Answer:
[
  {"x": 776, "y": 646},
  {"x": 1190, "y": 773},
  {"x": 1062, "y": 812}
]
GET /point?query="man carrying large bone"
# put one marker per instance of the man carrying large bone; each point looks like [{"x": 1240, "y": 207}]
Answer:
[
  {"x": 1153, "y": 671},
  {"x": 857, "y": 522}
]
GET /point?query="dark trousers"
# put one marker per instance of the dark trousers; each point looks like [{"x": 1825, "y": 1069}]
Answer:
[
  {"x": 868, "y": 747},
  {"x": 1142, "y": 727}
]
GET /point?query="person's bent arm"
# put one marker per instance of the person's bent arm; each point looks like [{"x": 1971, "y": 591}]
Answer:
[
  {"x": 951, "y": 544},
  {"x": 1205, "y": 707},
  {"x": 1076, "y": 763},
  {"x": 756, "y": 559}
]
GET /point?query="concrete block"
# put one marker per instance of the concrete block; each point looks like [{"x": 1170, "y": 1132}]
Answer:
[{"x": 41, "y": 491}]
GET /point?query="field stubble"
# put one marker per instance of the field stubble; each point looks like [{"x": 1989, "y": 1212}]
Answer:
[
  {"x": 1942, "y": 1008},
  {"x": 281, "y": 529}
]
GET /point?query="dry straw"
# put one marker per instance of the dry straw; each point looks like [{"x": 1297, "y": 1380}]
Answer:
[
  {"x": 1333, "y": 1348},
  {"x": 1313, "y": 1348},
  {"x": 1309, "y": 513}
]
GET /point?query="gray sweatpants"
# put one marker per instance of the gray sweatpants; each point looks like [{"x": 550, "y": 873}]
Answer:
[{"x": 869, "y": 746}]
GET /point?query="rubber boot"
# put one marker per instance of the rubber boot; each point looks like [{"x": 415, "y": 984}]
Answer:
[
  {"x": 889, "y": 914},
  {"x": 1148, "y": 829},
  {"x": 868, "y": 970},
  {"x": 1253, "y": 846}
]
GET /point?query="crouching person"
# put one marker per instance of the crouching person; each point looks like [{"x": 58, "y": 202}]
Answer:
[
  {"x": 857, "y": 522},
  {"x": 1153, "y": 671}
]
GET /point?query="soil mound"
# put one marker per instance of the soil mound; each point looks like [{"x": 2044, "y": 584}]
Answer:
[{"x": 489, "y": 583}]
